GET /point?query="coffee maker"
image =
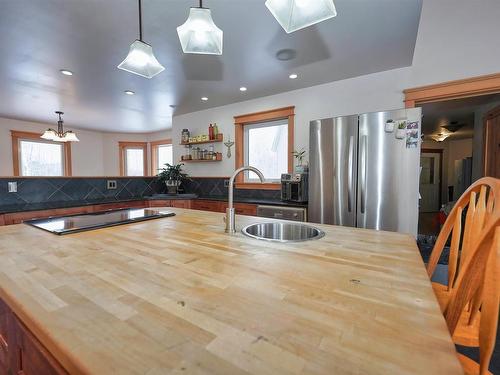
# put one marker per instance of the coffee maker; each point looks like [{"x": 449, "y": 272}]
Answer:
[{"x": 294, "y": 187}]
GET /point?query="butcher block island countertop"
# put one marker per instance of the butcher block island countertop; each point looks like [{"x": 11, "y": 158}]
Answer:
[{"x": 179, "y": 296}]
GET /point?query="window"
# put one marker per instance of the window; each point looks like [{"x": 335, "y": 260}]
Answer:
[
  {"x": 161, "y": 154},
  {"x": 133, "y": 160},
  {"x": 264, "y": 140},
  {"x": 266, "y": 147},
  {"x": 33, "y": 156}
]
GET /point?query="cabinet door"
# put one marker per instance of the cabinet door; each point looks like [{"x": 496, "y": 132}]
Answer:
[
  {"x": 32, "y": 357},
  {"x": 5, "y": 338},
  {"x": 119, "y": 205},
  {"x": 242, "y": 209},
  {"x": 160, "y": 203},
  {"x": 207, "y": 205},
  {"x": 181, "y": 203},
  {"x": 2, "y": 220}
]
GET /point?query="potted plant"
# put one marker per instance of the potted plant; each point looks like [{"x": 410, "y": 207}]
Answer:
[
  {"x": 401, "y": 130},
  {"x": 172, "y": 176},
  {"x": 299, "y": 157}
]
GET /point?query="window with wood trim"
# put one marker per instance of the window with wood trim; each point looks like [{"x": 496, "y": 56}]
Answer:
[
  {"x": 264, "y": 140},
  {"x": 133, "y": 158},
  {"x": 33, "y": 156},
  {"x": 161, "y": 154}
]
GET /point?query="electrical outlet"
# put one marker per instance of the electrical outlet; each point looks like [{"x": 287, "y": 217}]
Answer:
[
  {"x": 12, "y": 186},
  {"x": 226, "y": 183},
  {"x": 111, "y": 184}
]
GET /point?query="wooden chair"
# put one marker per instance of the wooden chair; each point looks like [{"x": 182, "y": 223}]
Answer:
[
  {"x": 482, "y": 202},
  {"x": 480, "y": 273}
]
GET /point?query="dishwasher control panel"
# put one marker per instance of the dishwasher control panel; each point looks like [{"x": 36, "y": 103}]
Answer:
[{"x": 283, "y": 213}]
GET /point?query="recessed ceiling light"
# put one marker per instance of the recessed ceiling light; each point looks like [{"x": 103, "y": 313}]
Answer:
[
  {"x": 66, "y": 72},
  {"x": 204, "y": 98},
  {"x": 243, "y": 88},
  {"x": 293, "y": 76},
  {"x": 129, "y": 92}
]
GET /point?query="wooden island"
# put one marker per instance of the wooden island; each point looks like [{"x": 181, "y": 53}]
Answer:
[{"x": 179, "y": 296}]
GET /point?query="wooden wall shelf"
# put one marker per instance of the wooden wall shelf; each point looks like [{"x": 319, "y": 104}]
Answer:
[
  {"x": 198, "y": 161},
  {"x": 202, "y": 142}
]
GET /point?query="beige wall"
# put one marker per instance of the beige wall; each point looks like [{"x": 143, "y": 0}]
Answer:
[{"x": 95, "y": 155}]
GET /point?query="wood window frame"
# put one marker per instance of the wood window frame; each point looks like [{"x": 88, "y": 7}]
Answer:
[
  {"x": 137, "y": 145},
  {"x": 154, "y": 153},
  {"x": 257, "y": 117},
  {"x": 459, "y": 89},
  {"x": 21, "y": 135}
]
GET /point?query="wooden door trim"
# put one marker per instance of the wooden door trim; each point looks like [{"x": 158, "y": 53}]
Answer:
[
  {"x": 487, "y": 125},
  {"x": 437, "y": 151},
  {"x": 458, "y": 89}
]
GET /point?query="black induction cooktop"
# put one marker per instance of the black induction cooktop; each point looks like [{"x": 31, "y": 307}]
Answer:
[{"x": 79, "y": 223}]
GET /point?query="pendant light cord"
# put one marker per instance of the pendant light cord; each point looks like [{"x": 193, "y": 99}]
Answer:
[
  {"x": 140, "y": 21},
  {"x": 201, "y": 3}
]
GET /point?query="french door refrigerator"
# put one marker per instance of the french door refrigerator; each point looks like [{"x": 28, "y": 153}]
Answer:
[{"x": 365, "y": 174}]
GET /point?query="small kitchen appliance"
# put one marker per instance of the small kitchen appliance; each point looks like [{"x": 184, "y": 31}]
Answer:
[{"x": 294, "y": 187}]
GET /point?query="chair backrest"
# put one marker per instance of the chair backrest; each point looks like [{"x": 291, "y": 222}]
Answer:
[
  {"x": 482, "y": 202},
  {"x": 480, "y": 273}
]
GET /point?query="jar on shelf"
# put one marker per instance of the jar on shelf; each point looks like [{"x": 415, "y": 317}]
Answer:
[{"x": 185, "y": 136}]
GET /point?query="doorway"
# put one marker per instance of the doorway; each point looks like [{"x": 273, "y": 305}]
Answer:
[{"x": 492, "y": 143}]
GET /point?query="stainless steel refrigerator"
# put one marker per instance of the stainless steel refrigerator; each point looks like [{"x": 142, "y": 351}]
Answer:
[{"x": 362, "y": 175}]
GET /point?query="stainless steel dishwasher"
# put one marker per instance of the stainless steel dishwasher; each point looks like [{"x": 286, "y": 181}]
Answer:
[{"x": 283, "y": 213}]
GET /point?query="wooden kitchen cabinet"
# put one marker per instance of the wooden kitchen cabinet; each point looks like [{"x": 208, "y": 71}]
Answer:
[
  {"x": 32, "y": 358},
  {"x": 160, "y": 203},
  {"x": 206, "y": 205},
  {"x": 5, "y": 339},
  {"x": 119, "y": 205},
  {"x": 180, "y": 203},
  {"x": 242, "y": 208},
  {"x": 2, "y": 219},
  {"x": 20, "y": 352}
]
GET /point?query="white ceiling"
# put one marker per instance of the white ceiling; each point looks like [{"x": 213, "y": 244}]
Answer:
[{"x": 91, "y": 37}]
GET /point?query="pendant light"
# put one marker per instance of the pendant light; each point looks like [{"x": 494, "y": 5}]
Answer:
[
  {"x": 140, "y": 59},
  {"x": 60, "y": 135},
  {"x": 294, "y": 15},
  {"x": 199, "y": 34}
]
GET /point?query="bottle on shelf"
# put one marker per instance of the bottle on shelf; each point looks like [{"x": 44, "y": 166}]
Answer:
[
  {"x": 216, "y": 130},
  {"x": 211, "y": 132}
]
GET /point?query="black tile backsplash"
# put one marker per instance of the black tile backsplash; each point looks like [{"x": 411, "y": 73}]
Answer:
[{"x": 86, "y": 190}]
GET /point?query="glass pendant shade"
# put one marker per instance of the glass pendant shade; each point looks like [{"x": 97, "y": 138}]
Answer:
[
  {"x": 141, "y": 60},
  {"x": 199, "y": 34},
  {"x": 69, "y": 136},
  {"x": 294, "y": 15},
  {"x": 49, "y": 135}
]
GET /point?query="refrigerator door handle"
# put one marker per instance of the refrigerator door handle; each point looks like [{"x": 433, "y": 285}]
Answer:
[
  {"x": 350, "y": 174},
  {"x": 363, "y": 174}
]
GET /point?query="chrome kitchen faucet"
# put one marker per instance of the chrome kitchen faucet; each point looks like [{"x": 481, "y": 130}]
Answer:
[{"x": 229, "y": 219}]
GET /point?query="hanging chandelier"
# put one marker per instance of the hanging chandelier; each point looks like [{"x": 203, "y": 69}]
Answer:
[
  {"x": 140, "y": 59},
  {"x": 294, "y": 15},
  {"x": 199, "y": 34},
  {"x": 60, "y": 135}
]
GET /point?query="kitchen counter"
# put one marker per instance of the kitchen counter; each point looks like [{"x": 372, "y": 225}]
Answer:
[
  {"x": 25, "y": 207},
  {"x": 178, "y": 295}
]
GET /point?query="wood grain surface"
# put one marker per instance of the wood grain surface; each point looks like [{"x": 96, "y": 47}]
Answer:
[{"x": 179, "y": 296}]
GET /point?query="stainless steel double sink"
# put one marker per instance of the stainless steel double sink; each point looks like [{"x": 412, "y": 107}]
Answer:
[{"x": 282, "y": 232}]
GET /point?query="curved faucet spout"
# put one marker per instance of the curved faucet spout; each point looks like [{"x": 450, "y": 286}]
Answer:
[{"x": 230, "y": 221}]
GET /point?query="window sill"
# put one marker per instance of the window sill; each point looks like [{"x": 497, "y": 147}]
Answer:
[{"x": 259, "y": 186}]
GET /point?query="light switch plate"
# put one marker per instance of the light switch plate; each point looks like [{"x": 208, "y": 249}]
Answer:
[
  {"x": 111, "y": 184},
  {"x": 226, "y": 183},
  {"x": 12, "y": 187}
]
